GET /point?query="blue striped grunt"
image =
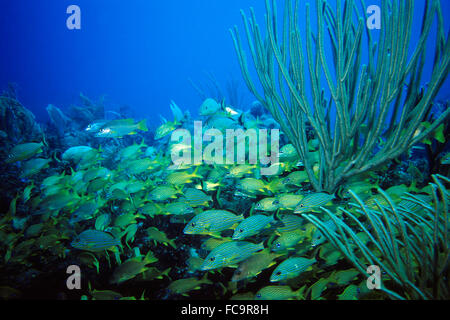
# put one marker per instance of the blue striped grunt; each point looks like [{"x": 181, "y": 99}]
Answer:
[
  {"x": 196, "y": 198},
  {"x": 288, "y": 240},
  {"x": 279, "y": 293},
  {"x": 251, "y": 226},
  {"x": 291, "y": 268},
  {"x": 212, "y": 221},
  {"x": 254, "y": 265},
  {"x": 290, "y": 223},
  {"x": 313, "y": 201},
  {"x": 288, "y": 201},
  {"x": 95, "y": 241},
  {"x": 229, "y": 254}
]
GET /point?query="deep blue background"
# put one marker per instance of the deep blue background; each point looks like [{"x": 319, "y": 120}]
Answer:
[{"x": 139, "y": 52}]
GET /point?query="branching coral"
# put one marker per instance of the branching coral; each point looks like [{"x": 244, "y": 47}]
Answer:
[
  {"x": 372, "y": 101},
  {"x": 408, "y": 241}
]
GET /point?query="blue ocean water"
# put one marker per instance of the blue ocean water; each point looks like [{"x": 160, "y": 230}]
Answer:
[
  {"x": 138, "y": 53},
  {"x": 60, "y": 181}
]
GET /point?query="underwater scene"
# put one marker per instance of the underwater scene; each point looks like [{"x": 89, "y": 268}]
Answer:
[{"x": 225, "y": 150}]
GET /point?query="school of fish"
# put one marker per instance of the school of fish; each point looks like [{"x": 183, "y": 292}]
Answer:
[{"x": 132, "y": 220}]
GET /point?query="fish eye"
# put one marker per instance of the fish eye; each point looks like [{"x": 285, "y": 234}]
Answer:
[
  {"x": 212, "y": 259},
  {"x": 278, "y": 244},
  {"x": 278, "y": 273},
  {"x": 258, "y": 295},
  {"x": 240, "y": 230},
  {"x": 275, "y": 202},
  {"x": 302, "y": 205},
  {"x": 193, "y": 224}
]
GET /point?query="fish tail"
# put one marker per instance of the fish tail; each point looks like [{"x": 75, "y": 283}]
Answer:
[
  {"x": 159, "y": 207},
  {"x": 317, "y": 257},
  {"x": 142, "y": 125},
  {"x": 149, "y": 258},
  {"x": 270, "y": 186},
  {"x": 224, "y": 289},
  {"x": 205, "y": 279},
  {"x": 166, "y": 273},
  {"x": 195, "y": 173},
  {"x": 179, "y": 190},
  {"x": 276, "y": 215},
  {"x": 300, "y": 293},
  {"x": 260, "y": 246},
  {"x": 218, "y": 197}
]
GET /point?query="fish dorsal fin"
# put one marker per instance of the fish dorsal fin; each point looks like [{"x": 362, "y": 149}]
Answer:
[
  {"x": 223, "y": 105},
  {"x": 176, "y": 111},
  {"x": 118, "y": 122},
  {"x": 241, "y": 118},
  {"x": 164, "y": 120}
]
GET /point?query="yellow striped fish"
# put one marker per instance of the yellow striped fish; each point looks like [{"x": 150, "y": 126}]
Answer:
[
  {"x": 344, "y": 277},
  {"x": 290, "y": 223},
  {"x": 229, "y": 254},
  {"x": 183, "y": 177},
  {"x": 254, "y": 265},
  {"x": 288, "y": 152},
  {"x": 413, "y": 206},
  {"x": 178, "y": 208},
  {"x": 252, "y": 186},
  {"x": 296, "y": 178},
  {"x": 313, "y": 201},
  {"x": 240, "y": 170},
  {"x": 163, "y": 193},
  {"x": 279, "y": 293},
  {"x": 95, "y": 241},
  {"x": 352, "y": 292},
  {"x": 251, "y": 226},
  {"x": 266, "y": 204},
  {"x": 318, "y": 237},
  {"x": 291, "y": 268},
  {"x": 317, "y": 288},
  {"x": 196, "y": 198},
  {"x": 24, "y": 151},
  {"x": 33, "y": 166},
  {"x": 372, "y": 201},
  {"x": 287, "y": 240},
  {"x": 212, "y": 243},
  {"x": 288, "y": 201},
  {"x": 212, "y": 222}
]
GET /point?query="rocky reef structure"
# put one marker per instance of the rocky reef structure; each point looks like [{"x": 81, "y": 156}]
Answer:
[{"x": 17, "y": 123}]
